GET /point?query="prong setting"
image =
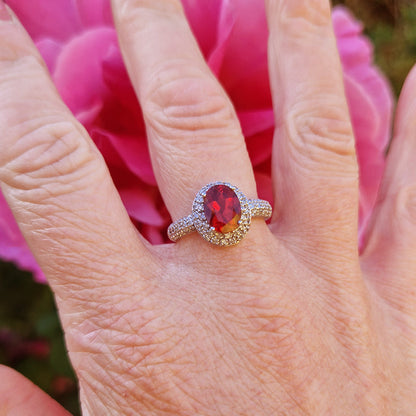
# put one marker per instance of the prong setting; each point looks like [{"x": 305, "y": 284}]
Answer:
[{"x": 209, "y": 233}]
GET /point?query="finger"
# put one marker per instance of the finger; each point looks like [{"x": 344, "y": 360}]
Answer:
[
  {"x": 57, "y": 183},
  {"x": 390, "y": 243},
  {"x": 314, "y": 163},
  {"x": 194, "y": 135},
  {"x": 20, "y": 397}
]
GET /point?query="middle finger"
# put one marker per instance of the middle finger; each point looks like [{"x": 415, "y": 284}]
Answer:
[{"x": 315, "y": 168}]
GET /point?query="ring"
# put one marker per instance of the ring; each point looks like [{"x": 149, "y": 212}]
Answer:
[{"x": 221, "y": 214}]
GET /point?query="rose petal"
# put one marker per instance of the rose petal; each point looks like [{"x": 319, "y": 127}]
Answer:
[
  {"x": 122, "y": 114},
  {"x": 116, "y": 78},
  {"x": 57, "y": 19},
  {"x": 226, "y": 25},
  {"x": 244, "y": 71},
  {"x": 264, "y": 186},
  {"x": 256, "y": 121},
  {"x": 367, "y": 124},
  {"x": 154, "y": 235},
  {"x": 370, "y": 100},
  {"x": 259, "y": 146},
  {"x": 378, "y": 89},
  {"x": 141, "y": 205},
  {"x": 203, "y": 19},
  {"x": 94, "y": 12},
  {"x": 344, "y": 22},
  {"x": 50, "y": 50},
  {"x": 135, "y": 154},
  {"x": 365, "y": 117},
  {"x": 258, "y": 129},
  {"x": 88, "y": 117},
  {"x": 356, "y": 54},
  {"x": 79, "y": 72},
  {"x": 111, "y": 155}
]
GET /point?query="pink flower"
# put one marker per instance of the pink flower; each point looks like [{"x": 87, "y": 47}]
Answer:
[
  {"x": 370, "y": 102},
  {"x": 79, "y": 44}
]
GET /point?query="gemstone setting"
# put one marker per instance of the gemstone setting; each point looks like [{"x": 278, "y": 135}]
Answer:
[
  {"x": 222, "y": 209},
  {"x": 221, "y": 214}
]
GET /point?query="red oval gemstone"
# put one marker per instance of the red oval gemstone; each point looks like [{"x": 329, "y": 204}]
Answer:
[{"x": 222, "y": 208}]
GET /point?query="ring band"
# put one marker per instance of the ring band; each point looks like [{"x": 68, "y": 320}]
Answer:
[{"x": 221, "y": 214}]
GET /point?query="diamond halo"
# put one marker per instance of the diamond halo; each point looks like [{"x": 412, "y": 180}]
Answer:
[
  {"x": 209, "y": 233},
  {"x": 220, "y": 216}
]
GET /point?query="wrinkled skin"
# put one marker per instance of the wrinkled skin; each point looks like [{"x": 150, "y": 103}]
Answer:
[
  {"x": 78, "y": 41},
  {"x": 292, "y": 321}
]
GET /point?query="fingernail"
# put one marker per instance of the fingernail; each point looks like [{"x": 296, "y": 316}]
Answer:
[{"x": 4, "y": 12}]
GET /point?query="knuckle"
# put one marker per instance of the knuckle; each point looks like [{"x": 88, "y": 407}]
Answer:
[
  {"x": 321, "y": 136},
  {"x": 44, "y": 155},
  {"x": 183, "y": 99}
]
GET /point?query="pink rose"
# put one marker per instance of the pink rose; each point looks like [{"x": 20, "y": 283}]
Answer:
[{"x": 79, "y": 44}]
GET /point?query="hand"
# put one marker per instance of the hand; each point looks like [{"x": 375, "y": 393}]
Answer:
[{"x": 292, "y": 321}]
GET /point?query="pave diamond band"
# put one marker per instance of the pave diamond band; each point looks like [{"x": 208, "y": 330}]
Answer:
[
  {"x": 181, "y": 228},
  {"x": 260, "y": 208},
  {"x": 221, "y": 214}
]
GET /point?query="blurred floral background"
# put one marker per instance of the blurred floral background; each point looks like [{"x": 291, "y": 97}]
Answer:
[{"x": 30, "y": 335}]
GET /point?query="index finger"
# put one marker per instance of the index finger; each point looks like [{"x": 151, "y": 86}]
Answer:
[{"x": 56, "y": 182}]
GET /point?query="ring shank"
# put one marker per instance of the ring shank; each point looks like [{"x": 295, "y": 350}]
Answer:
[
  {"x": 181, "y": 227},
  {"x": 260, "y": 208},
  {"x": 184, "y": 226}
]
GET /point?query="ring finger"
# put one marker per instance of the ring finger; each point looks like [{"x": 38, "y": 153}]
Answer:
[{"x": 194, "y": 134}]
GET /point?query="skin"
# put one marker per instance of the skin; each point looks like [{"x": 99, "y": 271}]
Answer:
[{"x": 292, "y": 321}]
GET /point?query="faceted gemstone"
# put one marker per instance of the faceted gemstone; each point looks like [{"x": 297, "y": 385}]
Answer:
[{"x": 222, "y": 208}]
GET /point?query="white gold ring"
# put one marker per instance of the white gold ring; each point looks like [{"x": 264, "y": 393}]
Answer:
[{"x": 221, "y": 214}]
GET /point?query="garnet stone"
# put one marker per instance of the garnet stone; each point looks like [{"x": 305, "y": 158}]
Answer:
[{"x": 222, "y": 208}]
